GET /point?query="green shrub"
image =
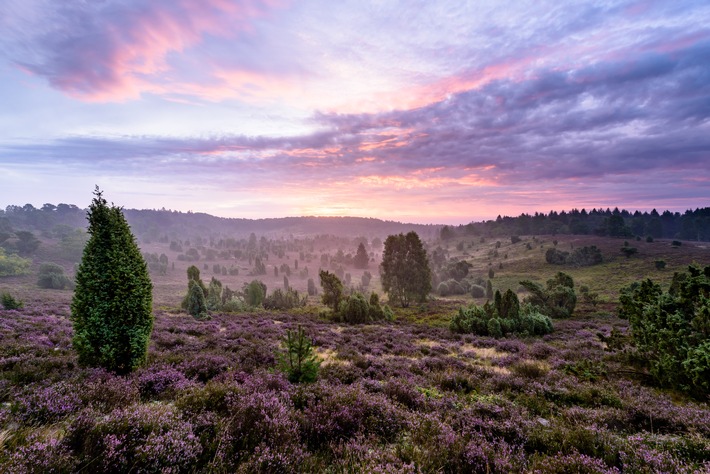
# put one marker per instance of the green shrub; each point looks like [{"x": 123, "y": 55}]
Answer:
[
  {"x": 52, "y": 276},
  {"x": 557, "y": 300},
  {"x": 9, "y": 302},
  {"x": 12, "y": 264},
  {"x": 477, "y": 291},
  {"x": 196, "y": 303},
  {"x": 355, "y": 309},
  {"x": 284, "y": 299},
  {"x": 503, "y": 317},
  {"x": 672, "y": 329},
  {"x": 111, "y": 311}
]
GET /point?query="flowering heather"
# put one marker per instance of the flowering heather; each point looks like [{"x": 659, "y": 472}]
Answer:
[{"x": 390, "y": 397}]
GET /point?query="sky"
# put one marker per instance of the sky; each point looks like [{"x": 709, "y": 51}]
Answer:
[{"x": 416, "y": 111}]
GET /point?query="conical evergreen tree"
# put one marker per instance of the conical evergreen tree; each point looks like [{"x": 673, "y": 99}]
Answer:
[{"x": 111, "y": 311}]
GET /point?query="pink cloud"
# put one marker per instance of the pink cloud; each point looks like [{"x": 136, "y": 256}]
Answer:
[{"x": 115, "y": 53}]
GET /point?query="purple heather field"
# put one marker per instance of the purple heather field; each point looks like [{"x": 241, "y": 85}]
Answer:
[{"x": 390, "y": 397}]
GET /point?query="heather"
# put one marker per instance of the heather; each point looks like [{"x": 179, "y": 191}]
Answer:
[{"x": 390, "y": 396}]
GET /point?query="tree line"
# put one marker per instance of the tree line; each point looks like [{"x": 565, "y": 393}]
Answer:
[{"x": 690, "y": 225}]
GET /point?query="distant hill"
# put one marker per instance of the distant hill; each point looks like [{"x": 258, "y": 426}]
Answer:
[{"x": 161, "y": 224}]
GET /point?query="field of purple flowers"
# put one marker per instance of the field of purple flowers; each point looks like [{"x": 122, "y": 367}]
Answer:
[{"x": 392, "y": 397}]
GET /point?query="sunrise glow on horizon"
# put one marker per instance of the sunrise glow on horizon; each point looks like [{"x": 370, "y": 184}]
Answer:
[{"x": 425, "y": 112}]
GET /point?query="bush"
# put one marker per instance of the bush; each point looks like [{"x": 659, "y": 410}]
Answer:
[
  {"x": 671, "y": 328},
  {"x": 12, "y": 264},
  {"x": 477, "y": 291},
  {"x": 9, "y": 302},
  {"x": 283, "y": 300},
  {"x": 557, "y": 300},
  {"x": 111, "y": 311},
  {"x": 503, "y": 317},
  {"x": 52, "y": 276},
  {"x": 355, "y": 309}
]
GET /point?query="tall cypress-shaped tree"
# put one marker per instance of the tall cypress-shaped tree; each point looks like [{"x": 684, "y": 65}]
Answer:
[{"x": 111, "y": 311}]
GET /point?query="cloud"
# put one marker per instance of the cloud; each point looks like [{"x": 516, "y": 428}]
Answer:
[{"x": 117, "y": 50}]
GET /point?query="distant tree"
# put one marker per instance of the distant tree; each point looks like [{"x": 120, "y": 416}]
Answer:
[
  {"x": 254, "y": 293},
  {"x": 447, "y": 233},
  {"x": 52, "y": 276},
  {"x": 111, "y": 311},
  {"x": 332, "y": 289},
  {"x": 311, "y": 287},
  {"x": 26, "y": 243},
  {"x": 405, "y": 271},
  {"x": 361, "y": 259}
]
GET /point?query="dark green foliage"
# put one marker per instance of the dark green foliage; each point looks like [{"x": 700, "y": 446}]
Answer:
[
  {"x": 477, "y": 291},
  {"x": 299, "y": 360},
  {"x": 355, "y": 309},
  {"x": 378, "y": 312},
  {"x": 193, "y": 275},
  {"x": 196, "y": 304},
  {"x": 52, "y": 276},
  {"x": 557, "y": 300},
  {"x": 503, "y": 317},
  {"x": 588, "y": 296},
  {"x": 672, "y": 329},
  {"x": 491, "y": 274},
  {"x": 284, "y": 299},
  {"x": 26, "y": 243},
  {"x": 254, "y": 293},
  {"x": 629, "y": 251},
  {"x": 514, "y": 239},
  {"x": 581, "y": 257},
  {"x": 489, "y": 289},
  {"x": 361, "y": 258},
  {"x": 406, "y": 276},
  {"x": 9, "y": 302},
  {"x": 311, "y": 287},
  {"x": 556, "y": 257},
  {"x": 214, "y": 295},
  {"x": 111, "y": 311},
  {"x": 332, "y": 289},
  {"x": 660, "y": 264}
]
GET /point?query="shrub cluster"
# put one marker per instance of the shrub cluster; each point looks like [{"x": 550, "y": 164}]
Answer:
[
  {"x": 557, "y": 300},
  {"x": 502, "y": 317},
  {"x": 52, "y": 276},
  {"x": 671, "y": 329},
  {"x": 581, "y": 257}
]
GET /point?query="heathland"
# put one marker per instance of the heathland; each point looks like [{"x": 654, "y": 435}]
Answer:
[{"x": 404, "y": 392}]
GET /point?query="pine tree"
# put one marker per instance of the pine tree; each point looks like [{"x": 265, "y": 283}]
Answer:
[
  {"x": 111, "y": 311},
  {"x": 361, "y": 258}
]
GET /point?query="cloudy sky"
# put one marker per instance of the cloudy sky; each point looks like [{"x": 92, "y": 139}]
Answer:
[{"x": 421, "y": 111}]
